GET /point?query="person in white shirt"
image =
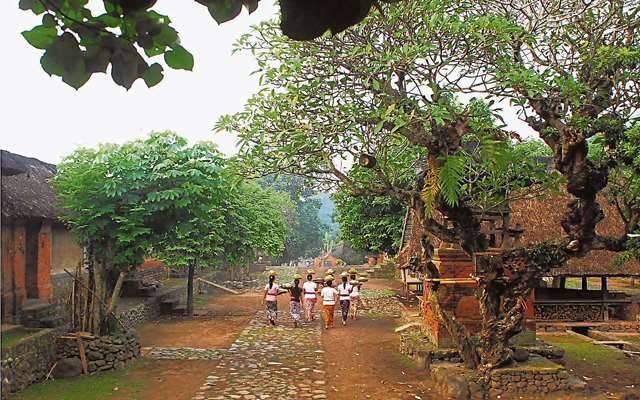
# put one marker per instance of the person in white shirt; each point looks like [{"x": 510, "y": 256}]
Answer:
[
  {"x": 329, "y": 297},
  {"x": 344, "y": 290},
  {"x": 356, "y": 304},
  {"x": 271, "y": 291},
  {"x": 310, "y": 288}
]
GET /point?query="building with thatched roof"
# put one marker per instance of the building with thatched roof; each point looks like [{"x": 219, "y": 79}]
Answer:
[{"x": 35, "y": 243}]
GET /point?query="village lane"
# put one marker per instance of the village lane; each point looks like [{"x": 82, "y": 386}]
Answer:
[{"x": 264, "y": 362}]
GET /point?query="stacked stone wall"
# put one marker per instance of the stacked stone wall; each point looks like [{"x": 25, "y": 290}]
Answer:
[
  {"x": 613, "y": 326},
  {"x": 527, "y": 381},
  {"x": 156, "y": 272},
  {"x": 62, "y": 284},
  {"x": 27, "y": 361},
  {"x": 150, "y": 308},
  {"x": 104, "y": 353}
]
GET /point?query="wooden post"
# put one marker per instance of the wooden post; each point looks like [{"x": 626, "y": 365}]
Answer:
[
  {"x": 584, "y": 283},
  {"x": 81, "y": 350},
  {"x": 563, "y": 282},
  {"x": 605, "y": 295}
]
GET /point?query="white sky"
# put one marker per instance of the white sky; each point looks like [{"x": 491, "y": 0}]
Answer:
[{"x": 45, "y": 118}]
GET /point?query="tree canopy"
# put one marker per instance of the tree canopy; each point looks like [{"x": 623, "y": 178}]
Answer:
[
  {"x": 385, "y": 94},
  {"x": 304, "y": 228},
  {"x": 124, "y": 199},
  {"x": 81, "y": 38}
]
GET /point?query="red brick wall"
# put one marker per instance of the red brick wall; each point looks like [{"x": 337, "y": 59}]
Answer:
[{"x": 459, "y": 299}]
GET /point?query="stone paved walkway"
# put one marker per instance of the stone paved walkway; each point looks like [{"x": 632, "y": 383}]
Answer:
[{"x": 264, "y": 362}]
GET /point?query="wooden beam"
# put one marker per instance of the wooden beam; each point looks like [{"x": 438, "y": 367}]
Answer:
[
  {"x": 406, "y": 326},
  {"x": 218, "y": 286},
  {"x": 82, "y": 356},
  {"x": 451, "y": 281}
]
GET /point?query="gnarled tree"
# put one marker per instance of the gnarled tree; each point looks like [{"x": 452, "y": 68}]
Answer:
[{"x": 388, "y": 90}]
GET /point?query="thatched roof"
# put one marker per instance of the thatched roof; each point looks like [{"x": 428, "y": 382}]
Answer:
[
  {"x": 540, "y": 219},
  {"x": 347, "y": 254},
  {"x": 26, "y": 193}
]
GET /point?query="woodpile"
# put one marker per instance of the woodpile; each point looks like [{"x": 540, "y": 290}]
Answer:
[{"x": 568, "y": 312}]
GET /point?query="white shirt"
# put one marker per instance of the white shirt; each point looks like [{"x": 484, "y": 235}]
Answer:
[
  {"x": 344, "y": 291},
  {"x": 356, "y": 291},
  {"x": 309, "y": 288},
  {"x": 327, "y": 295},
  {"x": 272, "y": 292}
]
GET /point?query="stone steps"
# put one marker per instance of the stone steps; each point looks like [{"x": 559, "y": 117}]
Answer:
[{"x": 35, "y": 311}]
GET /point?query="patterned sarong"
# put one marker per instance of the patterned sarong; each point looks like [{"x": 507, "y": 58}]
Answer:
[
  {"x": 356, "y": 304},
  {"x": 295, "y": 311},
  {"x": 272, "y": 310},
  {"x": 344, "y": 307},
  {"x": 309, "y": 308},
  {"x": 328, "y": 314}
]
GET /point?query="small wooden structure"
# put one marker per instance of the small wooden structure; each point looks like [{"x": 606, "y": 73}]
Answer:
[{"x": 556, "y": 302}]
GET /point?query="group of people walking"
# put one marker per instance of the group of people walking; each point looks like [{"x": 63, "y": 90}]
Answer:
[{"x": 346, "y": 293}]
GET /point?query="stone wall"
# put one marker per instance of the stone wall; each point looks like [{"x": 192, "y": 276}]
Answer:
[
  {"x": 104, "y": 353},
  {"x": 610, "y": 326},
  {"x": 28, "y": 361},
  {"x": 62, "y": 284},
  {"x": 156, "y": 272},
  {"x": 150, "y": 308},
  {"x": 532, "y": 379}
]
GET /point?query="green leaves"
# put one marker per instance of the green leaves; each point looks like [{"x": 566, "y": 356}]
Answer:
[
  {"x": 128, "y": 197},
  {"x": 64, "y": 58},
  {"x": 40, "y": 36},
  {"x": 153, "y": 75},
  {"x": 78, "y": 44},
  {"x": 451, "y": 178},
  {"x": 179, "y": 58}
]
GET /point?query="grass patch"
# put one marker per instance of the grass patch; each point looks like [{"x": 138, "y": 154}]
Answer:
[
  {"x": 95, "y": 386},
  {"x": 14, "y": 335},
  {"x": 202, "y": 298},
  {"x": 173, "y": 282},
  {"x": 582, "y": 352},
  {"x": 404, "y": 360}
]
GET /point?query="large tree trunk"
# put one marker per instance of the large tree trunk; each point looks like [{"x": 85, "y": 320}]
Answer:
[
  {"x": 116, "y": 294},
  {"x": 459, "y": 333},
  {"x": 99, "y": 279},
  {"x": 192, "y": 268}
]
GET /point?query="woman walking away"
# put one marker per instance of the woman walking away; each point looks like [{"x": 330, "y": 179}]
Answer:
[
  {"x": 329, "y": 295},
  {"x": 344, "y": 289},
  {"x": 270, "y": 295},
  {"x": 296, "y": 294},
  {"x": 356, "y": 304},
  {"x": 310, "y": 288}
]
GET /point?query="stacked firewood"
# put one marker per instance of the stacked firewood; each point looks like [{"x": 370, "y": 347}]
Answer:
[{"x": 568, "y": 312}]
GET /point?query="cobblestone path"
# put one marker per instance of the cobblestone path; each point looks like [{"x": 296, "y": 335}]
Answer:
[{"x": 264, "y": 362}]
